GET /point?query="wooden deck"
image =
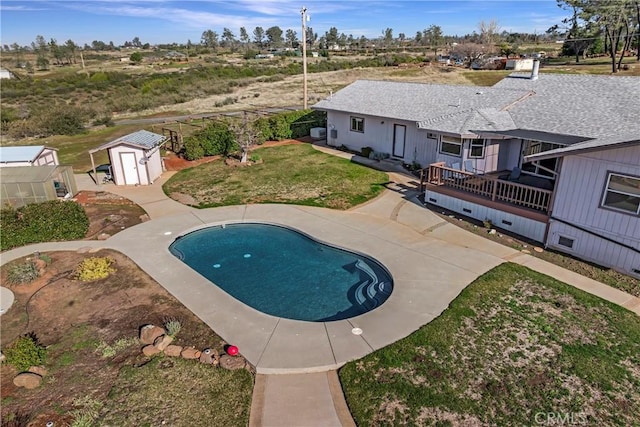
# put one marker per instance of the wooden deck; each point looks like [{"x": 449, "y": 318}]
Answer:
[{"x": 488, "y": 190}]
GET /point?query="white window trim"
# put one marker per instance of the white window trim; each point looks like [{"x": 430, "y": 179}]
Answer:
[
  {"x": 452, "y": 141},
  {"x": 607, "y": 190},
  {"x": 354, "y": 119},
  {"x": 484, "y": 147}
]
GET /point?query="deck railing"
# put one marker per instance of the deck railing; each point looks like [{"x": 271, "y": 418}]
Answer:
[{"x": 489, "y": 187}]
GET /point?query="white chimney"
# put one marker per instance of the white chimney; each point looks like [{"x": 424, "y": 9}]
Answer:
[{"x": 536, "y": 68}]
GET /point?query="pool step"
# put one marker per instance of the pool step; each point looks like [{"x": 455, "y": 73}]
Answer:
[{"x": 371, "y": 292}]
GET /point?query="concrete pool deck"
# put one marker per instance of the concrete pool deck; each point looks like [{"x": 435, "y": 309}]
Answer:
[{"x": 431, "y": 261}]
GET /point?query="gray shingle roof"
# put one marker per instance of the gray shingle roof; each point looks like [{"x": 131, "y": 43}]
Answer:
[
  {"x": 445, "y": 107},
  {"x": 585, "y": 105}
]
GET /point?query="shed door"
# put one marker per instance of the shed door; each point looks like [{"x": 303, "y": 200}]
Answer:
[
  {"x": 399, "y": 132},
  {"x": 129, "y": 168}
]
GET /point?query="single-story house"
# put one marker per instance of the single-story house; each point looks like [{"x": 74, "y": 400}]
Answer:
[
  {"x": 554, "y": 158},
  {"x": 28, "y": 155},
  {"x": 135, "y": 158}
]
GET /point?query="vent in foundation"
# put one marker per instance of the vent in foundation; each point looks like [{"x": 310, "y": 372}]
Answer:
[
  {"x": 432, "y": 200},
  {"x": 505, "y": 222},
  {"x": 565, "y": 241},
  {"x": 636, "y": 270},
  {"x": 466, "y": 210}
]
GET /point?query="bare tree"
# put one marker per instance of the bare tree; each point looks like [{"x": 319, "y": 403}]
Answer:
[
  {"x": 247, "y": 135},
  {"x": 488, "y": 31}
]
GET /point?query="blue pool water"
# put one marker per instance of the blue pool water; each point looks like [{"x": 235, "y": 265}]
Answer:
[{"x": 282, "y": 272}]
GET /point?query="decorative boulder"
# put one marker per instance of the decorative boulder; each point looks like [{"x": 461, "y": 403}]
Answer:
[
  {"x": 162, "y": 342},
  {"x": 190, "y": 353},
  {"x": 149, "y": 333},
  {"x": 173, "y": 350},
  {"x": 40, "y": 370},
  {"x": 232, "y": 362},
  {"x": 27, "y": 380},
  {"x": 150, "y": 350}
]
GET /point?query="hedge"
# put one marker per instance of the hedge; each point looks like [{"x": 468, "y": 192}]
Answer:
[
  {"x": 215, "y": 139},
  {"x": 290, "y": 124},
  {"x": 42, "y": 222}
]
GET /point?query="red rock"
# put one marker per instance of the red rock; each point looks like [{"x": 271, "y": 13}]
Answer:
[
  {"x": 209, "y": 357},
  {"x": 173, "y": 350},
  {"x": 40, "y": 370},
  {"x": 232, "y": 362},
  {"x": 190, "y": 353},
  {"x": 162, "y": 342},
  {"x": 150, "y": 350},
  {"x": 149, "y": 333}
]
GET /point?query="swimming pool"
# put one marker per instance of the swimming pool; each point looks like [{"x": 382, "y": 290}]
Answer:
[{"x": 285, "y": 273}]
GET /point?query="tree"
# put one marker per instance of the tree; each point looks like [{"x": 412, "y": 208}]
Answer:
[
  {"x": 246, "y": 133},
  {"x": 615, "y": 17},
  {"x": 291, "y": 37},
  {"x": 244, "y": 36},
  {"x": 136, "y": 57},
  {"x": 209, "y": 39},
  {"x": 258, "y": 35},
  {"x": 42, "y": 62},
  {"x": 433, "y": 37},
  {"x": 70, "y": 50},
  {"x": 56, "y": 51},
  {"x": 136, "y": 42},
  {"x": 331, "y": 37},
  {"x": 488, "y": 32},
  {"x": 228, "y": 38},
  {"x": 311, "y": 37},
  {"x": 274, "y": 36},
  {"x": 507, "y": 50},
  {"x": 471, "y": 51},
  {"x": 388, "y": 37}
]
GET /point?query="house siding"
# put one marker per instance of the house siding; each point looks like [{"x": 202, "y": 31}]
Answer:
[
  {"x": 116, "y": 164},
  {"x": 579, "y": 193},
  {"x": 507, "y": 221}
]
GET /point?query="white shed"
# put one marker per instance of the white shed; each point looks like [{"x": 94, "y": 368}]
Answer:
[
  {"x": 523, "y": 64},
  {"x": 135, "y": 158},
  {"x": 23, "y": 155}
]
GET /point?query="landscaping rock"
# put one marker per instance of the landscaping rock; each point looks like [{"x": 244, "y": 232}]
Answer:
[
  {"x": 526, "y": 251},
  {"x": 144, "y": 218},
  {"x": 149, "y": 333},
  {"x": 83, "y": 250},
  {"x": 232, "y": 362},
  {"x": 208, "y": 357},
  {"x": 150, "y": 350},
  {"x": 40, "y": 370},
  {"x": 2, "y": 357},
  {"x": 162, "y": 342},
  {"x": 28, "y": 380},
  {"x": 190, "y": 353},
  {"x": 537, "y": 249},
  {"x": 173, "y": 350},
  {"x": 103, "y": 236},
  {"x": 40, "y": 264}
]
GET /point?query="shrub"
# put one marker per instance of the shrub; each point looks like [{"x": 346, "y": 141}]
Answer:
[
  {"x": 87, "y": 412},
  {"x": 42, "y": 222},
  {"x": 26, "y": 352},
  {"x": 172, "y": 326},
  {"x": 110, "y": 350},
  {"x": 24, "y": 272},
  {"x": 94, "y": 268},
  {"x": 215, "y": 139},
  {"x": 290, "y": 124}
]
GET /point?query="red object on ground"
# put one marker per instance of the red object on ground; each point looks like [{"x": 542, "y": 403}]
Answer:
[{"x": 232, "y": 350}]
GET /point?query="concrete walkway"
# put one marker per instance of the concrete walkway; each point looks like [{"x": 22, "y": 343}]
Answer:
[{"x": 430, "y": 259}]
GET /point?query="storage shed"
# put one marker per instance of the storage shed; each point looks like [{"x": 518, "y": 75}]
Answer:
[
  {"x": 135, "y": 158},
  {"x": 22, "y": 185},
  {"x": 25, "y": 155}
]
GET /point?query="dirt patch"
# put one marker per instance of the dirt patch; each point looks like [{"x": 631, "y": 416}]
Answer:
[
  {"x": 72, "y": 318},
  {"x": 109, "y": 213}
]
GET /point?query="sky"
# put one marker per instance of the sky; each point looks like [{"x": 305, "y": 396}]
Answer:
[{"x": 167, "y": 21}]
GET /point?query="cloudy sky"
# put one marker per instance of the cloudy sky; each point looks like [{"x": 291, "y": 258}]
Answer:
[{"x": 165, "y": 21}]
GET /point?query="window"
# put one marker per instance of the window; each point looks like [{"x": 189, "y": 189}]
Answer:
[
  {"x": 477, "y": 149},
  {"x": 450, "y": 145},
  {"x": 546, "y": 168},
  {"x": 357, "y": 124},
  {"x": 622, "y": 193}
]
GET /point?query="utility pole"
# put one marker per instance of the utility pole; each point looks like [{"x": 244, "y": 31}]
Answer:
[{"x": 303, "y": 13}]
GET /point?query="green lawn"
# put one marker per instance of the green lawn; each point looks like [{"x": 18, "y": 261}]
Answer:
[
  {"x": 515, "y": 346},
  {"x": 296, "y": 174}
]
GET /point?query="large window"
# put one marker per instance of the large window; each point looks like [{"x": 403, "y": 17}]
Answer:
[
  {"x": 476, "y": 150},
  {"x": 357, "y": 124},
  {"x": 451, "y": 146},
  {"x": 622, "y": 193}
]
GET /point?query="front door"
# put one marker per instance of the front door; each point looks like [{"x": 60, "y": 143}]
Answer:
[
  {"x": 129, "y": 168},
  {"x": 399, "y": 132}
]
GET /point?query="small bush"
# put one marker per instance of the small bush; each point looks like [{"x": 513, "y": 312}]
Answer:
[
  {"x": 94, "y": 268},
  {"x": 172, "y": 326},
  {"x": 110, "y": 350},
  {"x": 24, "y": 272},
  {"x": 26, "y": 352}
]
